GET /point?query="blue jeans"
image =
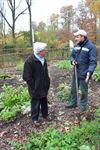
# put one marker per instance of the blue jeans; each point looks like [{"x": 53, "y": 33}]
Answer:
[{"x": 84, "y": 90}]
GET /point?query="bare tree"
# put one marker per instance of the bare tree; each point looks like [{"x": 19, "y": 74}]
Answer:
[
  {"x": 2, "y": 25},
  {"x": 82, "y": 15},
  {"x": 12, "y": 6},
  {"x": 29, "y": 3},
  {"x": 54, "y": 18},
  {"x": 67, "y": 13}
]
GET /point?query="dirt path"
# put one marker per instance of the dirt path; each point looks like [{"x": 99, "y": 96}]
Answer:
[{"x": 22, "y": 126}]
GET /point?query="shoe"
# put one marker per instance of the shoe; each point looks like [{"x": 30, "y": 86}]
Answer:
[
  {"x": 70, "y": 106},
  {"x": 48, "y": 118},
  {"x": 36, "y": 123}
]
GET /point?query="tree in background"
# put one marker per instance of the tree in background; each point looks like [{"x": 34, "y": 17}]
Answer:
[
  {"x": 66, "y": 14},
  {"x": 54, "y": 21},
  {"x": 40, "y": 31},
  {"x": 94, "y": 8},
  {"x": 82, "y": 15},
  {"x": 88, "y": 18},
  {"x": 46, "y": 34},
  {"x": 59, "y": 30},
  {"x": 2, "y": 26},
  {"x": 52, "y": 30},
  {"x": 13, "y": 8},
  {"x": 29, "y": 4},
  {"x": 41, "y": 26}
]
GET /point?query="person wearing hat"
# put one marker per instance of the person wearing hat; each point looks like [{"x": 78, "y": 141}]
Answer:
[
  {"x": 84, "y": 58},
  {"x": 35, "y": 73}
]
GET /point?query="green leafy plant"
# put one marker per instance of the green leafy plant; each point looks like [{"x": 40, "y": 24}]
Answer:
[
  {"x": 96, "y": 74},
  {"x": 9, "y": 113},
  {"x": 12, "y": 101},
  {"x": 97, "y": 114},
  {"x": 84, "y": 138},
  {"x": 4, "y": 76},
  {"x": 63, "y": 92},
  {"x": 12, "y": 96},
  {"x": 15, "y": 144},
  {"x": 64, "y": 64}
]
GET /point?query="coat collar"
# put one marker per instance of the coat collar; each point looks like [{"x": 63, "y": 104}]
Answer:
[{"x": 33, "y": 56}]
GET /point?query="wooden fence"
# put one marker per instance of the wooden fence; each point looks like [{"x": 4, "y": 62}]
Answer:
[{"x": 12, "y": 59}]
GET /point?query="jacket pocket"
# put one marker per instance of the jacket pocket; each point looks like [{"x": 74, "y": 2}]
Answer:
[{"x": 31, "y": 90}]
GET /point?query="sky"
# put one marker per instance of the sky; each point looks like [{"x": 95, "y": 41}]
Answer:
[{"x": 41, "y": 11}]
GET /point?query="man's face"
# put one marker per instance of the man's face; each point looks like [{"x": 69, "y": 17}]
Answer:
[
  {"x": 79, "y": 39},
  {"x": 42, "y": 53}
]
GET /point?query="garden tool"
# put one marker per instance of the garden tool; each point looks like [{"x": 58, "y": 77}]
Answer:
[{"x": 76, "y": 80}]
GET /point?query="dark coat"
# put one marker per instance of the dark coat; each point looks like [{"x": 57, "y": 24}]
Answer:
[
  {"x": 36, "y": 77},
  {"x": 86, "y": 56}
]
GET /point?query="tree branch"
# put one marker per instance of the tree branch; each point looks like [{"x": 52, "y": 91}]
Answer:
[
  {"x": 20, "y": 13},
  {"x": 5, "y": 19}
]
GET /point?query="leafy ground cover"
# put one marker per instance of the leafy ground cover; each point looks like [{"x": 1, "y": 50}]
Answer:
[{"x": 14, "y": 133}]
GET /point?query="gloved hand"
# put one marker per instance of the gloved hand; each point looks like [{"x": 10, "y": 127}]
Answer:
[
  {"x": 74, "y": 62},
  {"x": 87, "y": 77}
]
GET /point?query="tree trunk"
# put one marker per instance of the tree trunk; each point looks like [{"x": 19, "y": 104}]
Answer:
[{"x": 31, "y": 40}]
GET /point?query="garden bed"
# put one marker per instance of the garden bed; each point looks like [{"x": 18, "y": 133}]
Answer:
[{"x": 20, "y": 128}]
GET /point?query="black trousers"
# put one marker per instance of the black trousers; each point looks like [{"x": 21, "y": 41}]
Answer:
[{"x": 36, "y": 104}]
